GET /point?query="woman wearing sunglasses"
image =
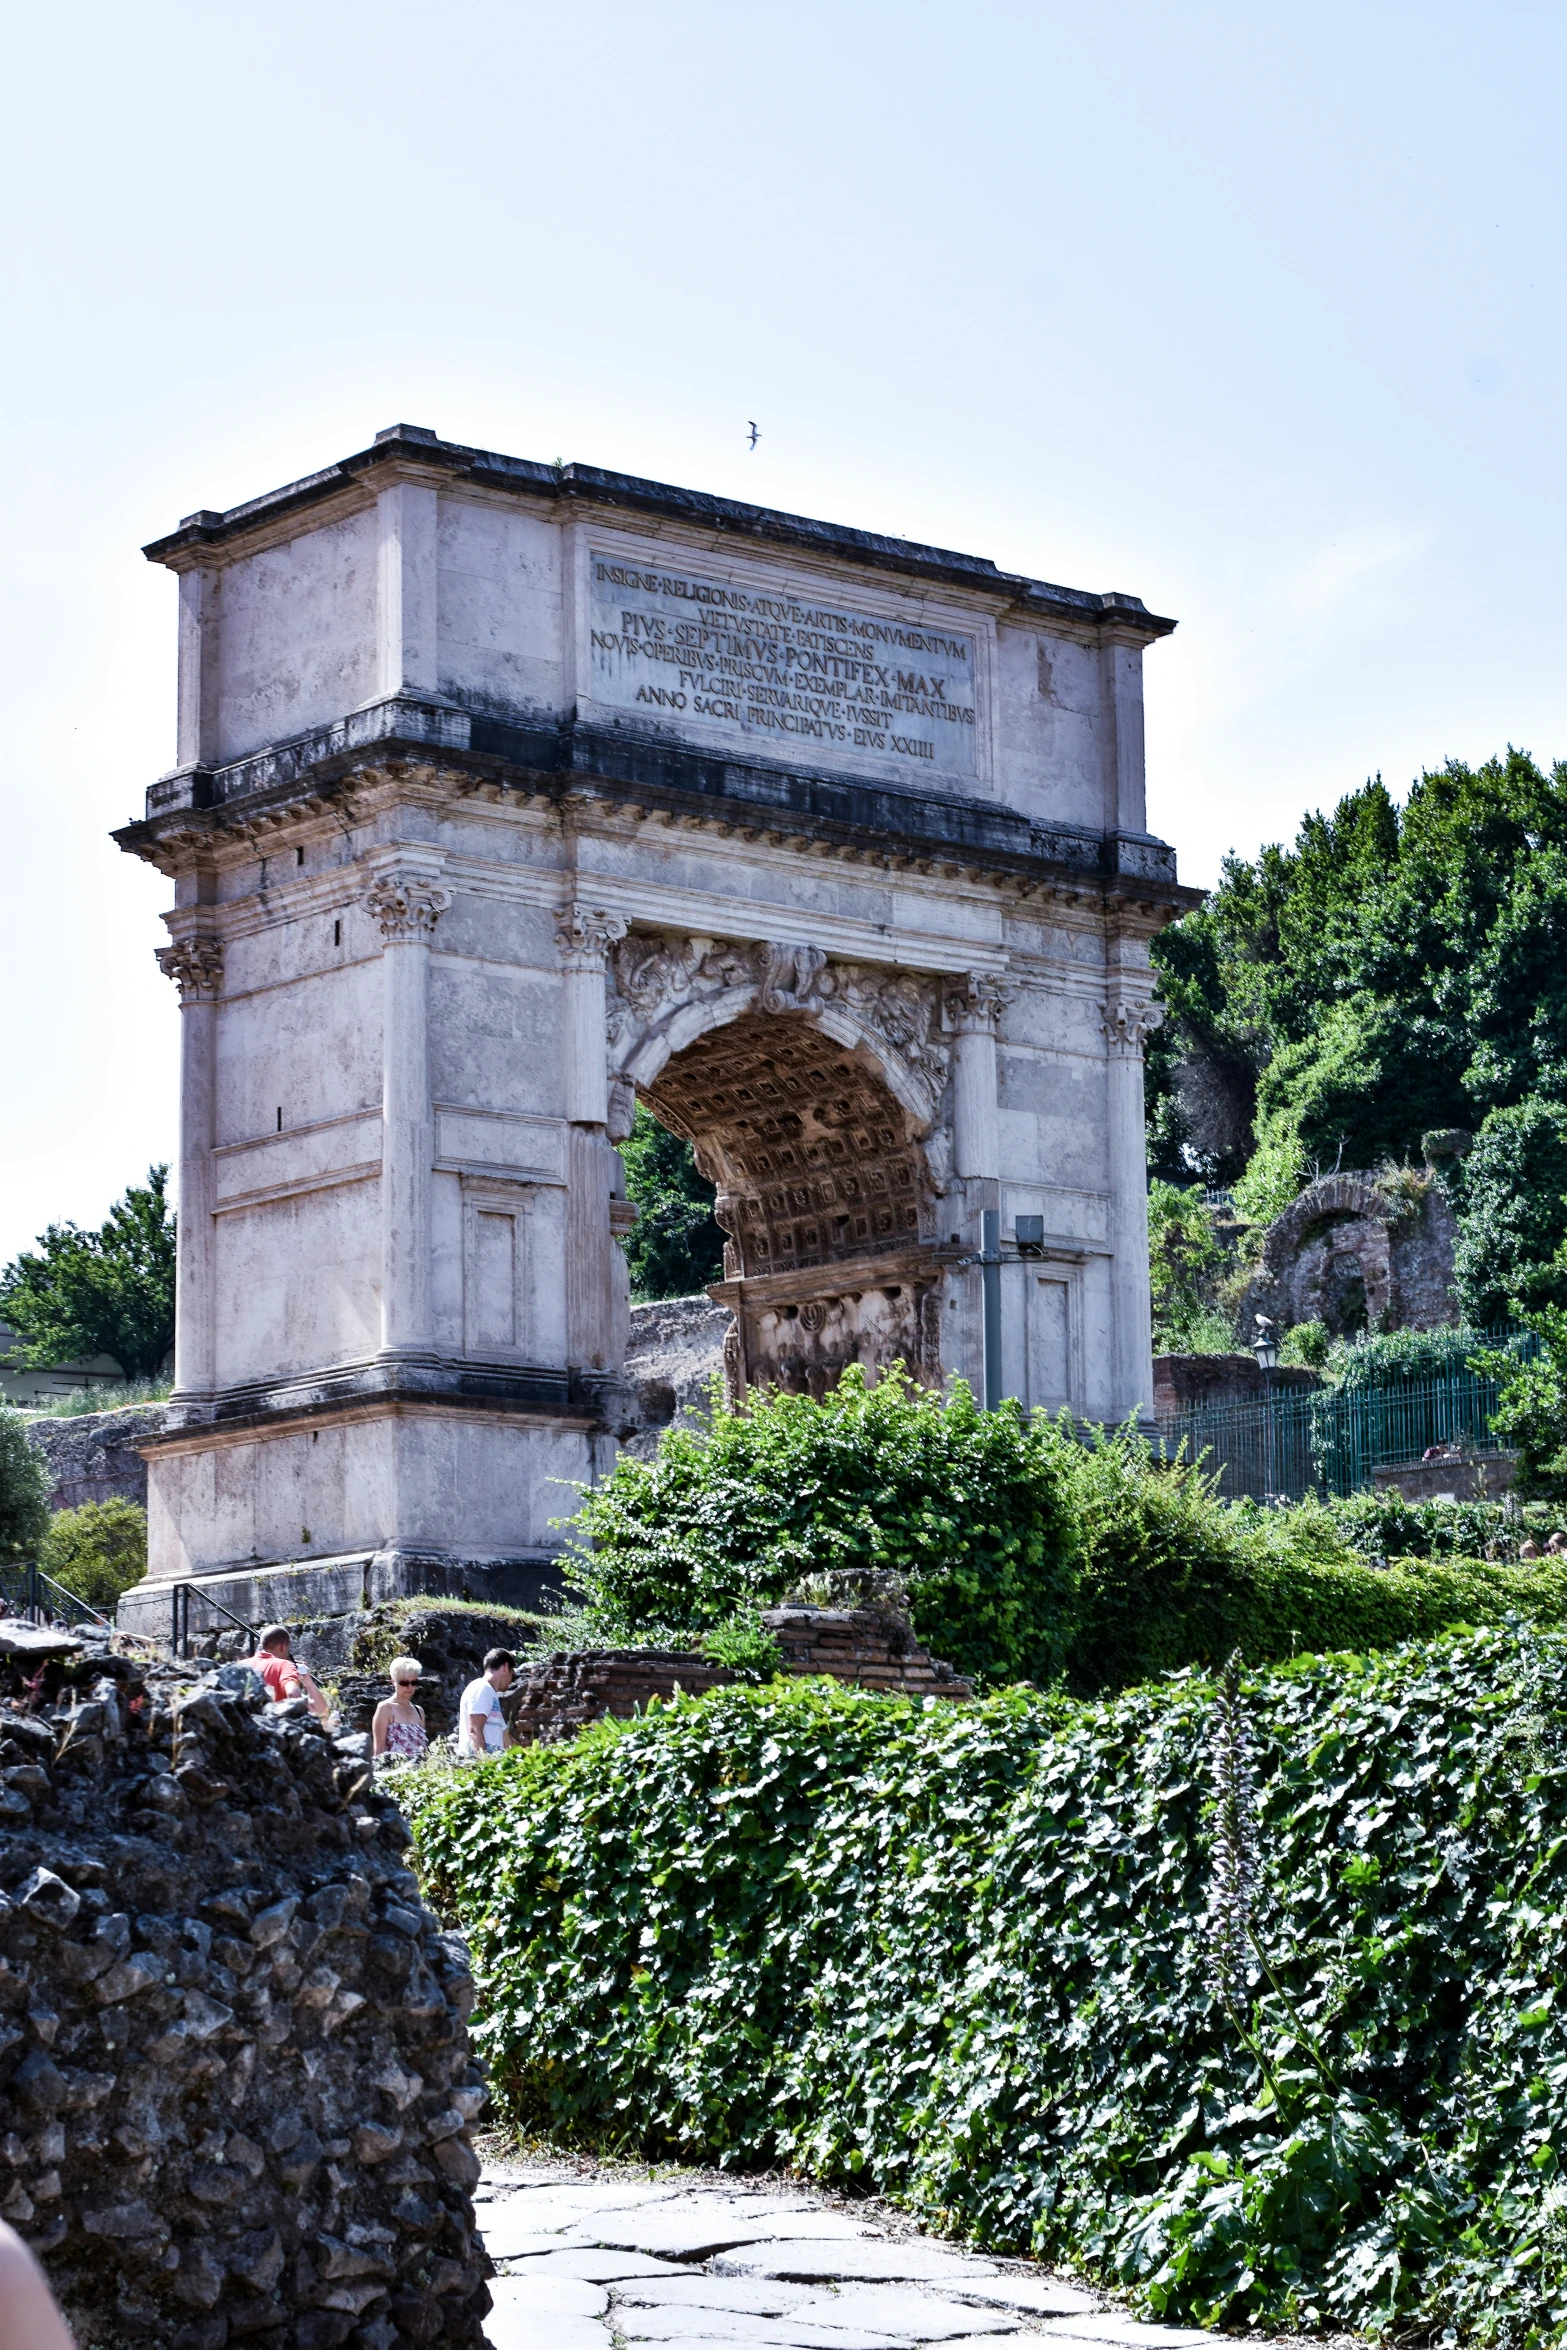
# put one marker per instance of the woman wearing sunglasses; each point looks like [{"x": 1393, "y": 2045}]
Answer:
[{"x": 397, "y": 1732}]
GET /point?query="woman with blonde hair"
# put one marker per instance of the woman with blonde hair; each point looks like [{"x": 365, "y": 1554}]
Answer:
[{"x": 397, "y": 1731}]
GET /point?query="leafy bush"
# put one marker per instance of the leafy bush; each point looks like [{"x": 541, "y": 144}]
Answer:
[
  {"x": 746, "y": 1646},
  {"x": 1354, "y": 1364},
  {"x": 1172, "y": 1576},
  {"x": 1385, "y": 1525},
  {"x": 960, "y": 1955},
  {"x": 1532, "y": 1406},
  {"x": 1306, "y": 1345},
  {"x": 964, "y": 1506},
  {"x": 108, "y": 1292},
  {"x": 97, "y": 1550},
  {"x": 24, "y": 1490}
]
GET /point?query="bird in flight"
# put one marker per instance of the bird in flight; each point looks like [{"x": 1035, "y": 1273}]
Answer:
[{"x": 755, "y": 435}]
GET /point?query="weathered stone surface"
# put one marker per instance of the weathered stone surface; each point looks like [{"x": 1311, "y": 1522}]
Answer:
[
  {"x": 871, "y": 1648},
  {"x": 203, "y": 2148},
  {"x": 1358, "y": 1253},
  {"x": 810, "y": 2258},
  {"x": 93, "y": 1456},
  {"x": 1196, "y": 1383}
]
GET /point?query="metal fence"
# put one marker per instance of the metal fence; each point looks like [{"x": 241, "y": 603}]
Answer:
[
  {"x": 26, "y": 1591},
  {"x": 1329, "y": 1442}
]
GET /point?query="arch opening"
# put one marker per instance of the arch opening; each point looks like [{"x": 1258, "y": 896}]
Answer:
[{"x": 824, "y": 1193}]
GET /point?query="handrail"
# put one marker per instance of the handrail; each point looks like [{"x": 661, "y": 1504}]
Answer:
[
  {"x": 179, "y": 1629},
  {"x": 75, "y": 1611}
]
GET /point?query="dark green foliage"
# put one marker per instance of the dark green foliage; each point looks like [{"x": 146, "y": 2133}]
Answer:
[
  {"x": 1186, "y": 1262},
  {"x": 1172, "y": 1576},
  {"x": 959, "y": 1955},
  {"x": 108, "y": 1292},
  {"x": 1512, "y": 1196},
  {"x": 1532, "y": 1413},
  {"x": 1385, "y": 1525},
  {"x": 677, "y": 1247},
  {"x": 24, "y": 1490},
  {"x": 1395, "y": 970},
  {"x": 963, "y": 1506},
  {"x": 98, "y": 1550}
]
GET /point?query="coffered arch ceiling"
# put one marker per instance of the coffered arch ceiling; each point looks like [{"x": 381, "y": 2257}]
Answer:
[{"x": 814, "y": 1158}]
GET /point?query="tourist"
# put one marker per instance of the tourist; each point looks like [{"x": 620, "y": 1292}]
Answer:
[
  {"x": 281, "y": 1677},
  {"x": 481, "y": 1726},
  {"x": 397, "y": 1731},
  {"x": 29, "y": 2315}
]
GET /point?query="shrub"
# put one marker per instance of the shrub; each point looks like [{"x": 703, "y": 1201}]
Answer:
[
  {"x": 1512, "y": 1213},
  {"x": 1172, "y": 1576},
  {"x": 97, "y": 1550},
  {"x": 959, "y": 1955},
  {"x": 24, "y": 1490},
  {"x": 962, "y": 1505},
  {"x": 1531, "y": 1410},
  {"x": 1186, "y": 1261}
]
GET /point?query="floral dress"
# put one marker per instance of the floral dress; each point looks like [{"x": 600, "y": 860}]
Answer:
[{"x": 405, "y": 1741}]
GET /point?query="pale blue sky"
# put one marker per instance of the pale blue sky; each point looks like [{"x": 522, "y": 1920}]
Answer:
[{"x": 1253, "y": 311}]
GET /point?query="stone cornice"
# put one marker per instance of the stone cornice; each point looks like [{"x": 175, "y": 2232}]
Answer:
[
  {"x": 400, "y": 748},
  {"x": 407, "y": 448}
]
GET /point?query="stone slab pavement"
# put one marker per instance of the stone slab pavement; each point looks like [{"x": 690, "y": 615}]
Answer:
[{"x": 592, "y": 2256}]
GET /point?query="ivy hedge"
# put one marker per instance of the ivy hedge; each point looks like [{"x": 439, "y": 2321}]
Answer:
[{"x": 962, "y": 1955}]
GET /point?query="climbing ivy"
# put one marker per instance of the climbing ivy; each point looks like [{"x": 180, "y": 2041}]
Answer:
[{"x": 961, "y": 1954}]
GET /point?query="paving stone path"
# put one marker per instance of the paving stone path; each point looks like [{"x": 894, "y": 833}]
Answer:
[{"x": 588, "y": 2257}]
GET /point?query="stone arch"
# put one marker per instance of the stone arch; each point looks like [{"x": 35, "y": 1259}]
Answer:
[{"x": 824, "y": 1188}]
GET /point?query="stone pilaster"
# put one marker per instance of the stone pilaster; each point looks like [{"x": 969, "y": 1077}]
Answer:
[
  {"x": 407, "y": 902},
  {"x": 973, "y": 1009},
  {"x": 195, "y": 964},
  {"x": 1129, "y": 1020},
  {"x": 585, "y": 934}
]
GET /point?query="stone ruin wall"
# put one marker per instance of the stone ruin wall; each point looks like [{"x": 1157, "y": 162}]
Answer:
[
  {"x": 235, "y": 2079},
  {"x": 868, "y": 1648}
]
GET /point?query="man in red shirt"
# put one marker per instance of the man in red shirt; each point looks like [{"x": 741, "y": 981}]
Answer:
[{"x": 274, "y": 1661}]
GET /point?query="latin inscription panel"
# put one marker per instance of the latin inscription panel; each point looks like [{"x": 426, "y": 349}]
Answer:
[{"x": 785, "y": 672}]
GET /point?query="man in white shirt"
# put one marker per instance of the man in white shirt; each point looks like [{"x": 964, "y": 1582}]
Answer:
[{"x": 481, "y": 1727}]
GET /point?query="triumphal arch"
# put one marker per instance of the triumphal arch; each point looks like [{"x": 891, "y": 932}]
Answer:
[{"x": 510, "y": 795}]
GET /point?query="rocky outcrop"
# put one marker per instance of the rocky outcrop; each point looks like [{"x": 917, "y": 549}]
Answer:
[
  {"x": 92, "y": 1456},
  {"x": 235, "y": 2080},
  {"x": 673, "y": 1353}
]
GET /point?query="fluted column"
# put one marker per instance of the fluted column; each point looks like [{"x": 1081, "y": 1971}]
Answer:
[
  {"x": 195, "y": 964},
  {"x": 973, "y": 1009},
  {"x": 407, "y": 902},
  {"x": 584, "y": 935},
  {"x": 1128, "y": 1022}
]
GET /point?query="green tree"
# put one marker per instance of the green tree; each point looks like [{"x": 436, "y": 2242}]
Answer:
[
  {"x": 677, "y": 1247},
  {"x": 97, "y": 1550},
  {"x": 1186, "y": 1262},
  {"x": 1395, "y": 969},
  {"x": 1532, "y": 1416},
  {"x": 1512, "y": 1214},
  {"x": 107, "y": 1292},
  {"x": 24, "y": 1490}
]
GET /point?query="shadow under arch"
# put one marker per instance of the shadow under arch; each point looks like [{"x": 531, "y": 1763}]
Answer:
[{"x": 813, "y": 1135}]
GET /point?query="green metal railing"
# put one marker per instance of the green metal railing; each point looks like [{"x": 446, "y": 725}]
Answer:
[
  {"x": 1329, "y": 1442},
  {"x": 28, "y": 1592}
]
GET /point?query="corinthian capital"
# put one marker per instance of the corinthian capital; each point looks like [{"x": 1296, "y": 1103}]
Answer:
[
  {"x": 585, "y": 935},
  {"x": 1129, "y": 1022},
  {"x": 195, "y": 965},
  {"x": 407, "y": 905},
  {"x": 973, "y": 1003}
]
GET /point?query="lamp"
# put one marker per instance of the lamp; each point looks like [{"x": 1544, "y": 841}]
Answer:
[
  {"x": 1029, "y": 1233},
  {"x": 1264, "y": 1345}
]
